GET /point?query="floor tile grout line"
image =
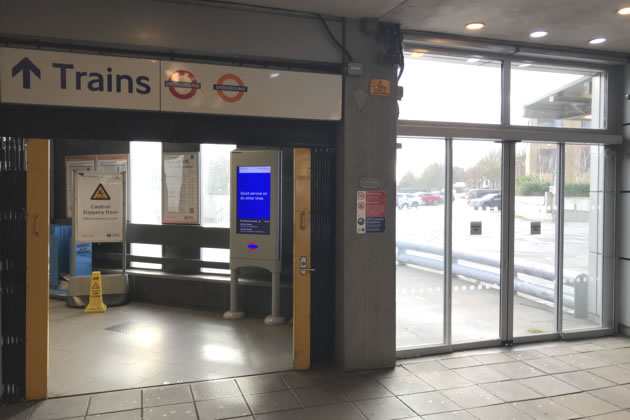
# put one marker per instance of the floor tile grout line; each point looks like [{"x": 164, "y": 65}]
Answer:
[
  {"x": 243, "y": 397},
  {"x": 353, "y": 404},
  {"x": 87, "y": 409},
  {"x": 292, "y": 391},
  {"x": 192, "y": 395},
  {"x": 406, "y": 405}
]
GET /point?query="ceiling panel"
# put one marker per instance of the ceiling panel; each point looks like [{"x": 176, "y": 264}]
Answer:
[{"x": 570, "y": 23}]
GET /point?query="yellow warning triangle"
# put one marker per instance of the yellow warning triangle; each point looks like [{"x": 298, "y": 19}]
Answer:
[{"x": 100, "y": 193}]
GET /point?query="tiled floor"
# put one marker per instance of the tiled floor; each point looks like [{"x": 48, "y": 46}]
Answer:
[
  {"x": 485, "y": 384},
  {"x": 139, "y": 345}
]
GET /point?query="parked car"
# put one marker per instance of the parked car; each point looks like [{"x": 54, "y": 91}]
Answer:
[
  {"x": 404, "y": 200},
  {"x": 425, "y": 199},
  {"x": 472, "y": 194},
  {"x": 487, "y": 201},
  {"x": 441, "y": 194}
]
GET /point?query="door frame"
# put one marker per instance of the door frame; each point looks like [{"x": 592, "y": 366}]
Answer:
[{"x": 301, "y": 248}]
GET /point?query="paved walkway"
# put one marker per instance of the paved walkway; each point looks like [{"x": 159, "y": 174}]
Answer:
[{"x": 558, "y": 380}]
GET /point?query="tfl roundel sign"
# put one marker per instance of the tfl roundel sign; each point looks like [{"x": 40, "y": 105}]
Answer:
[
  {"x": 230, "y": 83},
  {"x": 182, "y": 84}
]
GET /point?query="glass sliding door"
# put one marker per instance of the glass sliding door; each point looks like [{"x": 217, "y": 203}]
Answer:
[
  {"x": 420, "y": 305},
  {"x": 476, "y": 241},
  {"x": 554, "y": 221},
  {"x": 535, "y": 216},
  {"x": 583, "y": 237}
]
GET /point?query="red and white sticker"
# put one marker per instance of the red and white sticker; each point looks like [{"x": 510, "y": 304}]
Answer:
[{"x": 371, "y": 211}]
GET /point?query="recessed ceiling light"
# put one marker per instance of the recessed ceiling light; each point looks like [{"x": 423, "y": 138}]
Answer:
[
  {"x": 539, "y": 34},
  {"x": 416, "y": 54},
  {"x": 524, "y": 65},
  {"x": 473, "y": 60},
  {"x": 624, "y": 12},
  {"x": 475, "y": 26},
  {"x": 596, "y": 41}
]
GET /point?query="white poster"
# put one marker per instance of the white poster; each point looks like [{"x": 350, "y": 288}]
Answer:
[
  {"x": 76, "y": 164},
  {"x": 212, "y": 89},
  {"x": 99, "y": 212},
  {"x": 180, "y": 188},
  {"x": 67, "y": 79}
]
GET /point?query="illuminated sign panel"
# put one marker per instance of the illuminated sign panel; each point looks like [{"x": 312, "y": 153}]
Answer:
[{"x": 253, "y": 206}]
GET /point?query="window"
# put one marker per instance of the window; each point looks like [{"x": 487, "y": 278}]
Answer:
[
  {"x": 146, "y": 250},
  {"x": 145, "y": 182},
  {"x": 452, "y": 89},
  {"x": 145, "y": 178},
  {"x": 215, "y": 255},
  {"x": 549, "y": 96},
  {"x": 215, "y": 185}
]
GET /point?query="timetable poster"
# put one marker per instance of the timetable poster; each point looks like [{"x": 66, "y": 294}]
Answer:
[
  {"x": 253, "y": 207},
  {"x": 180, "y": 188}
]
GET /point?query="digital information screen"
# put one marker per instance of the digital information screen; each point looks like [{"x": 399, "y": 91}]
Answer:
[{"x": 253, "y": 207}]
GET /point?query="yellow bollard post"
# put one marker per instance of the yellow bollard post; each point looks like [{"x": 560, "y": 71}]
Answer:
[{"x": 96, "y": 294}]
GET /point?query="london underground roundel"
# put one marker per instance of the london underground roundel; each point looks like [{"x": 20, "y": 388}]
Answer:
[
  {"x": 182, "y": 84},
  {"x": 227, "y": 85}
]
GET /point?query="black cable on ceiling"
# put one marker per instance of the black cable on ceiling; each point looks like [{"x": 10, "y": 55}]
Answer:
[{"x": 341, "y": 47}]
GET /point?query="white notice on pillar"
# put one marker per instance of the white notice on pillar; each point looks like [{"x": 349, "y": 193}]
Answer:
[{"x": 99, "y": 207}]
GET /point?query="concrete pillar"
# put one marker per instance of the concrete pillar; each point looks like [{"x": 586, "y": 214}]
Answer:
[
  {"x": 366, "y": 274},
  {"x": 623, "y": 271}
]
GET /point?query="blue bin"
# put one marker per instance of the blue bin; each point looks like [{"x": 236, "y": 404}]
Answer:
[{"x": 60, "y": 244}]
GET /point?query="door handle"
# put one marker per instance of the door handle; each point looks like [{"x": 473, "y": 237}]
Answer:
[{"x": 303, "y": 268}]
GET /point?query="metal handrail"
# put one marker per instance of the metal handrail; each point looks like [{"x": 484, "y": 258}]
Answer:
[{"x": 576, "y": 300}]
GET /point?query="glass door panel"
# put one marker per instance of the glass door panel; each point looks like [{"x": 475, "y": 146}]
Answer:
[
  {"x": 420, "y": 242},
  {"x": 535, "y": 214},
  {"x": 583, "y": 236},
  {"x": 476, "y": 242}
]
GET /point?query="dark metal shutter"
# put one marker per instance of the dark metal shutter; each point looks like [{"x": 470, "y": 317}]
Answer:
[
  {"x": 12, "y": 268},
  {"x": 322, "y": 256}
]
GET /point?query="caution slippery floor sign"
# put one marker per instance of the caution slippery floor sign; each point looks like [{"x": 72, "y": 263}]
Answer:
[
  {"x": 98, "y": 214},
  {"x": 96, "y": 294}
]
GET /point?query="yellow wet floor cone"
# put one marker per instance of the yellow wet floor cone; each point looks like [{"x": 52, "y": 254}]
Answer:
[{"x": 96, "y": 294}]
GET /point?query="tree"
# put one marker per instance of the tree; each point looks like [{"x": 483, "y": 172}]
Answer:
[
  {"x": 432, "y": 178},
  {"x": 408, "y": 182}
]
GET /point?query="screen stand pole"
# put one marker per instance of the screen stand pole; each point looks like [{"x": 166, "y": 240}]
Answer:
[
  {"x": 275, "y": 318},
  {"x": 233, "y": 313}
]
